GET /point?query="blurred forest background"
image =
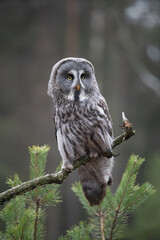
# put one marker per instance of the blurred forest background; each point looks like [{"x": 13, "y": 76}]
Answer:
[{"x": 122, "y": 40}]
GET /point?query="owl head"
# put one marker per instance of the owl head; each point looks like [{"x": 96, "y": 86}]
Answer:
[{"x": 72, "y": 78}]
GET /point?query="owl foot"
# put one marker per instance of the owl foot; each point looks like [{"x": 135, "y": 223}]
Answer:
[
  {"x": 93, "y": 154},
  {"x": 67, "y": 167}
]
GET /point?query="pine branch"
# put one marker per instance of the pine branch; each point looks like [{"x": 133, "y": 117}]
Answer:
[
  {"x": 109, "y": 219},
  {"x": 60, "y": 176},
  {"x": 102, "y": 225},
  {"x": 37, "y": 201},
  {"x": 119, "y": 205},
  {"x": 36, "y": 219}
]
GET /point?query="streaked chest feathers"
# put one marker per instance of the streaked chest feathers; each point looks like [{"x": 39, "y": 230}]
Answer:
[{"x": 82, "y": 129}]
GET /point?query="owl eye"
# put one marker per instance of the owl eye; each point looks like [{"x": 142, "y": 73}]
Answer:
[
  {"x": 70, "y": 77},
  {"x": 82, "y": 77}
]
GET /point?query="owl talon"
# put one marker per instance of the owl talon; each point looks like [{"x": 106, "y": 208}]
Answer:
[
  {"x": 67, "y": 167},
  {"x": 93, "y": 155}
]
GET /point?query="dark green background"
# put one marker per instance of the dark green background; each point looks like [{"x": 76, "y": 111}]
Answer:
[{"x": 122, "y": 40}]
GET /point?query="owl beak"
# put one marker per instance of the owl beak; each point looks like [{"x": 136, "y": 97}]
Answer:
[{"x": 78, "y": 87}]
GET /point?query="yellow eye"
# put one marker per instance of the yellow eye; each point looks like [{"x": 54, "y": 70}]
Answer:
[
  {"x": 82, "y": 77},
  {"x": 70, "y": 77}
]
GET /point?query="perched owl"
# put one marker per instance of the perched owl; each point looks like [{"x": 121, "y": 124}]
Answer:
[{"x": 82, "y": 124}]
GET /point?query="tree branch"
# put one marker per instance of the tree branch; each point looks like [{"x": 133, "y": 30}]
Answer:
[{"x": 60, "y": 176}]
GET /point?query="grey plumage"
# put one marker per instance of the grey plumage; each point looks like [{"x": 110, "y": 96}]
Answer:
[{"x": 83, "y": 124}]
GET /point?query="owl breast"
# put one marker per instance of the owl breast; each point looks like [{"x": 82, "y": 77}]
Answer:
[{"x": 83, "y": 129}]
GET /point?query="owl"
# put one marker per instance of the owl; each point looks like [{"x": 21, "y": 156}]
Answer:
[{"x": 82, "y": 124}]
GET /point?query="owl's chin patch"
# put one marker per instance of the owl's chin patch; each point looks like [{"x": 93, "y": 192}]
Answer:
[{"x": 76, "y": 95}]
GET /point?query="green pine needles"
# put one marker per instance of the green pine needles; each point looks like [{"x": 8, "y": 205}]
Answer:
[
  {"x": 25, "y": 215},
  {"x": 107, "y": 221},
  {"x": 82, "y": 231}
]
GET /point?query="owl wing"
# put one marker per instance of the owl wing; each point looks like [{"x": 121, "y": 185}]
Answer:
[
  {"x": 96, "y": 174},
  {"x": 55, "y": 129},
  {"x": 53, "y": 117},
  {"x": 104, "y": 106}
]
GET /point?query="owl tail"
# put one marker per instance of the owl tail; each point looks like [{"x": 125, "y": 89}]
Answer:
[{"x": 94, "y": 183}]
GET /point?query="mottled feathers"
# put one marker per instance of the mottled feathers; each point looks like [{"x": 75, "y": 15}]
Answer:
[{"x": 83, "y": 123}]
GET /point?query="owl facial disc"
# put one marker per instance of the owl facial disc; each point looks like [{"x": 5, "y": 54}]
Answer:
[{"x": 74, "y": 78}]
